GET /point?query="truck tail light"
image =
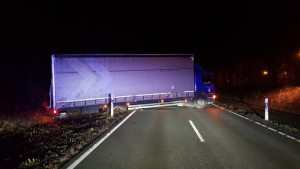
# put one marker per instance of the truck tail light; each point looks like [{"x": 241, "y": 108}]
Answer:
[
  {"x": 185, "y": 100},
  {"x": 127, "y": 104},
  {"x": 214, "y": 97},
  {"x": 162, "y": 101}
]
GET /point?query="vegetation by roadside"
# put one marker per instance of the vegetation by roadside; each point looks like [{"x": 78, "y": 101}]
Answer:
[
  {"x": 285, "y": 99},
  {"x": 43, "y": 142}
]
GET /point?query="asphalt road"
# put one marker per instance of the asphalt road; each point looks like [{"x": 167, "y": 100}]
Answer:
[
  {"x": 283, "y": 118},
  {"x": 164, "y": 138}
]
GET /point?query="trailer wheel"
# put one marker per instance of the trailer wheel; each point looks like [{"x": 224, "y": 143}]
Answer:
[{"x": 200, "y": 103}]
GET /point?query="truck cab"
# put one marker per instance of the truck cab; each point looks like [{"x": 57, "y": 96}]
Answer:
[{"x": 204, "y": 89}]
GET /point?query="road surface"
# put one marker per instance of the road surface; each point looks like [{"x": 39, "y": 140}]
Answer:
[
  {"x": 283, "y": 118},
  {"x": 165, "y": 138}
]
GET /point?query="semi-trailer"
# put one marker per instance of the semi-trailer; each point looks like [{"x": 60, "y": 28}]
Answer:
[{"x": 89, "y": 82}]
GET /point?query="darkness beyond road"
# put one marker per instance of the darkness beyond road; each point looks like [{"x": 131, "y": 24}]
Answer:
[{"x": 164, "y": 138}]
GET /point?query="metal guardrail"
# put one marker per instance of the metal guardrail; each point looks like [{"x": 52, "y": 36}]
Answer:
[{"x": 152, "y": 105}]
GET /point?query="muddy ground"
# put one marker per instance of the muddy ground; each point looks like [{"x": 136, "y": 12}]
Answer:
[{"x": 46, "y": 142}]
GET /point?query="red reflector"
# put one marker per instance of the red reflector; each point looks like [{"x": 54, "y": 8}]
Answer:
[{"x": 54, "y": 111}]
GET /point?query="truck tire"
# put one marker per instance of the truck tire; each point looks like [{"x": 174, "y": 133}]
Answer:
[{"x": 200, "y": 103}]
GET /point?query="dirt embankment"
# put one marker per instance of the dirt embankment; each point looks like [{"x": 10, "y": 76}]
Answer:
[{"x": 43, "y": 142}]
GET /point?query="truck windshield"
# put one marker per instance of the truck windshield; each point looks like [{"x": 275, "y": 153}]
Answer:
[{"x": 206, "y": 79}]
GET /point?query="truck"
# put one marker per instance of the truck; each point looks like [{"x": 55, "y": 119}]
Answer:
[{"x": 92, "y": 82}]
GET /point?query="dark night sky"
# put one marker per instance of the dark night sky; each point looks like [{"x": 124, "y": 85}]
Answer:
[{"x": 217, "y": 32}]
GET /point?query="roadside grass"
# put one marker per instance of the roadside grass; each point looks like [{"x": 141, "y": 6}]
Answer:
[
  {"x": 287, "y": 95},
  {"x": 40, "y": 141},
  {"x": 290, "y": 128},
  {"x": 284, "y": 99},
  {"x": 287, "y": 98}
]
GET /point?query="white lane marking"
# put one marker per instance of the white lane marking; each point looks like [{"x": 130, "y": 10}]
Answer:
[
  {"x": 293, "y": 138},
  {"x": 288, "y": 136},
  {"x": 83, "y": 156},
  {"x": 197, "y": 132},
  {"x": 272, "y": 129}
]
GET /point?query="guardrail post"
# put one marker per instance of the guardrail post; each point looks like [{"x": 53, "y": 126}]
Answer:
[{"x": 266, "y": 109}]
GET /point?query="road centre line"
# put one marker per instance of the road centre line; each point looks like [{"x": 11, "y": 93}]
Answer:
[
  {"x": 196, "y": 131},
  {"x": 288, "y": 136},
  {"x": 83, "y": 156}
]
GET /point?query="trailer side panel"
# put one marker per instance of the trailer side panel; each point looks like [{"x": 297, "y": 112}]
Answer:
[{"x": 90, "y": 78}]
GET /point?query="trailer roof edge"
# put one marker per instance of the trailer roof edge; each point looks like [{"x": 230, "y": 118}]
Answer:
[{"x": 112, "y": 55}]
